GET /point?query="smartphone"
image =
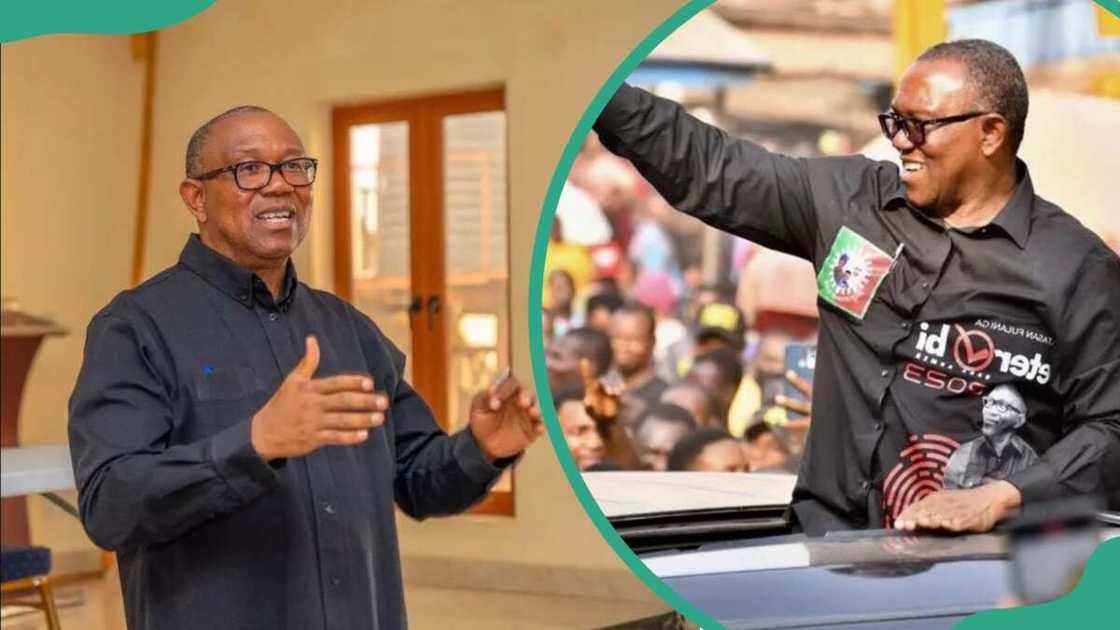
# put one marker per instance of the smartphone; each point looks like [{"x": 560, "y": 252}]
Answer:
[{"x": 802, "y": 359}]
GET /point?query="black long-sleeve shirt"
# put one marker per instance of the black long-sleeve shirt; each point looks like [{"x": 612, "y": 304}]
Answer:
[
  {"x": 208, "y": 534},
  {"x": 1031, "y": 300}
]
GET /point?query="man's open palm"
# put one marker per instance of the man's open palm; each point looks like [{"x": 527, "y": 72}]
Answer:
[{"x": 307, "y": 413}]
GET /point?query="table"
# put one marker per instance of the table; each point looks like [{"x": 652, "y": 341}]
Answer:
[{"x": 43, "y": 470}]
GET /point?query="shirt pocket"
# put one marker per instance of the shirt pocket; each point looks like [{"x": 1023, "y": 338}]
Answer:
[
  {"x": 221, "y": 399},
  {"x": 225, "y": 383}
]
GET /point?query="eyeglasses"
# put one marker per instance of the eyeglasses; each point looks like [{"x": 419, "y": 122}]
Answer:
[
  {"x": 255, "y": 175},
  {"x": 917, "y": 129},
  {"x": 1001, "y": 406}
]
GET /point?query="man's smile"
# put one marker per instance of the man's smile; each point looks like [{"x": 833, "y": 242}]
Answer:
[
  {"x": 911, "y": 171},
  {"x": 277, "y": 217}
]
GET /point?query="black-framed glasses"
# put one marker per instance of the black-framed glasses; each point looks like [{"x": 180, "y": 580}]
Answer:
[
  {"x": 255, "y": 174},
  {"x": 1001, "y": 406},
  {"x": 916, "y": 129}
]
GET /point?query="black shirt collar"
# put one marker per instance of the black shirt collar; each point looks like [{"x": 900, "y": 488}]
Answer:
[
  {"x": 233, "y": 279},
  {"x": 1014, "y": 219}
]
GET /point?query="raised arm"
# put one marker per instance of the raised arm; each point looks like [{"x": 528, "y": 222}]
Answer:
[{"x": 732, "y": 184}]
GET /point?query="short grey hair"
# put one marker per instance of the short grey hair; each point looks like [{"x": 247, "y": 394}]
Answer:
[
  {"x": 198, "y": 138},
  {"x": 996, "y": 77}
]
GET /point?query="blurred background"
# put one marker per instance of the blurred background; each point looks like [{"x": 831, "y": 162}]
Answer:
[
  {"x": 438, "y": 125},
  {"x": 698, "y": 327}
]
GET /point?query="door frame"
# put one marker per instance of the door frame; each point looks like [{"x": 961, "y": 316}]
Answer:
[{"x": 424, "y": 115}]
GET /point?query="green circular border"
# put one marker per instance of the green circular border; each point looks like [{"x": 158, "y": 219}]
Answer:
[
  {"x": 1086, "y": 602},
  {"x": 536, "y": 281}
]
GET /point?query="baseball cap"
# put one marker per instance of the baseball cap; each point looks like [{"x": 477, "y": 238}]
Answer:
[{"x": 720, "y": 319}]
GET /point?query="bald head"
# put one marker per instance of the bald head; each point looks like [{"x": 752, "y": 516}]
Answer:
[
  {"x": 198, "y": 139},
  {"x": 993, "y": 76}
]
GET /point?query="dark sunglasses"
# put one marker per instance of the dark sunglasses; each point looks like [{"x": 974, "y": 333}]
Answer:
[{"x": 917, "y": 129}]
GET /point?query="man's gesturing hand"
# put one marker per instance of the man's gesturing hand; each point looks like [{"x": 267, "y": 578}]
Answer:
[
  {"x": 306, "y": 413},
  {"x": 973, "y": 510},
  {"x": 505, "y": 419}
]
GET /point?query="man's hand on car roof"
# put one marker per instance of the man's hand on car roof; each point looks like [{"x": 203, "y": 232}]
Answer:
[{"x": 974, "y": 510}]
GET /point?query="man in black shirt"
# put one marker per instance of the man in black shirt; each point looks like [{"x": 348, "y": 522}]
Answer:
[
  {"x": 239, "y": 439},
  {"x": 936, "y": 283}
]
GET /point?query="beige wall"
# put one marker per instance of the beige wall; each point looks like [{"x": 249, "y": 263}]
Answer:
[
  {"x": 70, "y": 108},
  {"x": 76, "y": 100}
]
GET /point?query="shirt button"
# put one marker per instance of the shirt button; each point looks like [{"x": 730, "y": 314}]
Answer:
[
  {"x": 328, "y": 508},
  {"x": 906, "y": 325},
  {"x": 865, "y": 486},
  {"x": 878, "y": 427},
  {"x": 272, "y": 317},
  {"x": 335, "y": 580},
  {"x": 925, "y": 285},
  {"x": 243, "y": 296},
  {"x": 885, "y": 373}
]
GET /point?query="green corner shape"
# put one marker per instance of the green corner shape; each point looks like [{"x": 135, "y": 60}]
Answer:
[
  {"x": 1112, "y": 6},
  {"x": 21, "y": 19},
  {"x": 1086, "y": 604},
  {"x": 1092, "y": 601}
]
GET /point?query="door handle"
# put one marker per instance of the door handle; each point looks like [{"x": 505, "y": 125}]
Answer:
[
  {"x": 414, "y": 307},
  {"x": 433, "y": 310}
]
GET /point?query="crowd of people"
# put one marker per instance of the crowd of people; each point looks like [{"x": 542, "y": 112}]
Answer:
[{"x": 653, "y": 364}]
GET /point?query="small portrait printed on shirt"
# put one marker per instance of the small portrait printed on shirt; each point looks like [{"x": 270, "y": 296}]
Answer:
[{"x": 999, "y": 451}]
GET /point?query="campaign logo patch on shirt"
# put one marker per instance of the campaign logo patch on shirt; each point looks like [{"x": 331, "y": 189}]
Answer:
[{"x": 852, "y": 272}]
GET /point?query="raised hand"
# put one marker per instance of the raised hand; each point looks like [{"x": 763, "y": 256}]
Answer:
[
  {"x": 601, "y": 400},
  {"x": 505, "y": 419},
  {"x": 306, "y": 413},
  {"x": 803, "y": 408}
]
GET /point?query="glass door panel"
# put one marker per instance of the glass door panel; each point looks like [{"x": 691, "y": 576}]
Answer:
[
  {"x": 476, "y": 274},
  {"x": 381, "y": 282}
]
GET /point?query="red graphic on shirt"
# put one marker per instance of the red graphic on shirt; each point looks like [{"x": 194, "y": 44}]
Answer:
[
  {"x": 974, "y": 350},
  {"x": 920, "y": 471}
]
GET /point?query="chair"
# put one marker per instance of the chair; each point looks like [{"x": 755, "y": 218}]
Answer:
[{"x": 24, "y": 568}]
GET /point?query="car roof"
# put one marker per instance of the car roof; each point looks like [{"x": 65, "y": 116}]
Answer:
[
  {"x": 834, "y": 549},
  {"x": 647, "y": 493}
]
